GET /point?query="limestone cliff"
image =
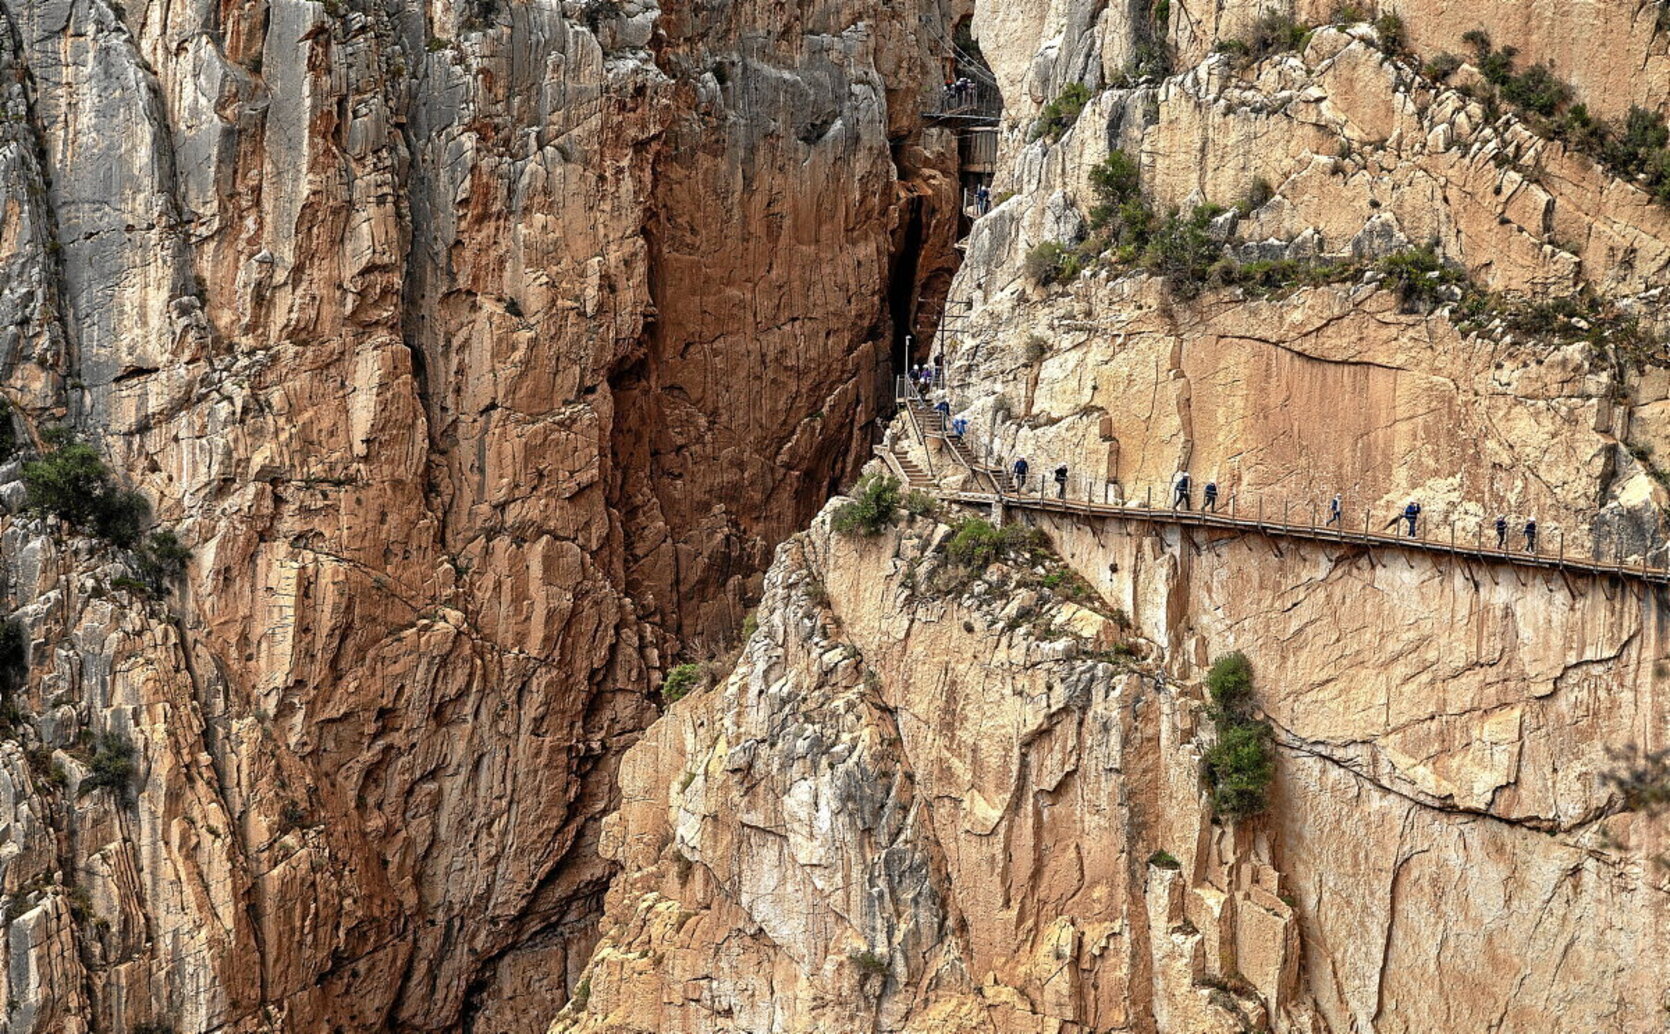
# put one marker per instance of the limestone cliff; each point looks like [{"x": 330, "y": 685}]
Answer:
[
  {"x": 912, "y": 809},
  {"x": 981, "y": 810},
  {"x": 480, "y": 351}
]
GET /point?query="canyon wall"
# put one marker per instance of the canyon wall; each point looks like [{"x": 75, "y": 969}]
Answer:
[
  {"x": 979, "y": 806},
  {"x": 980, "y": 809},
  {"x": 480, "y": 352}
]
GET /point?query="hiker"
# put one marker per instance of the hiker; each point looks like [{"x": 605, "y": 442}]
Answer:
[
  {"x": 1502, "y": 531},
  {"x": 939, "y": 370},
  {"x": 959, "y": 427},
  {"x": 1412, "y": 513},
  {"x": 982, "y": 199},
  {"x": 943, "y": 408},
  {"x": 926, "y": 376},
  {"x": 1061, "y": 481},
  {"x": 1211, "y": 502},
  {"x": 1020, "y": 472},
  {"x": 1182, "y": 497},
  {"x": 1334, "y": 511},
  {"x": 1531, "y": 535}
]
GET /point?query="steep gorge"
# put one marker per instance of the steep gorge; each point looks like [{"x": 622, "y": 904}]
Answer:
[
  {"x": 977, "y": 805},
  {"x": 480, "y": 352}
]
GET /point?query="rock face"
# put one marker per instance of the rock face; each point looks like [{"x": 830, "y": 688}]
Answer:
[
  {"x": 912, "y": 809},
  {"x": 480, "y": 351}
]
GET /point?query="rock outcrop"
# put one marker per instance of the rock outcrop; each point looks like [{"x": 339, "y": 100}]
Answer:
[
  {"x": 981, "y": 810},
  {"x": 481, "y": 352},
  {"x": 911, "y": 809}
]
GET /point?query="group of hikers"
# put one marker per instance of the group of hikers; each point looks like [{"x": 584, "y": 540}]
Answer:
[
  {"x": 1183, "y": 496},
  {"x": 959, "y": 93}
]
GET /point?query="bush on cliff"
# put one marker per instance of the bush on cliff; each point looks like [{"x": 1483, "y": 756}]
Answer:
[
  {"x": 1241, "y": 765},
  {"x": 112, "y": 766},
  {"x": 872, "y": 509},
  {"x": 1273, "y": 33},
  {"x": 1059, "y": 114},
  {"x": 1051, "y": 262},
  {"x": 679, "y": 682},
  {"x": 72, "y": 483}
]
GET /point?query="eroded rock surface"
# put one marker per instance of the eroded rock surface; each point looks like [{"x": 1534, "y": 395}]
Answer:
[
  {"x": 1441, "y": 850},
  {"x": 480, "y": 351}
]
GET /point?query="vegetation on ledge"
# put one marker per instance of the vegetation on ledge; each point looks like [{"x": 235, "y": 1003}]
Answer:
[
  {"x": 1241, "y": 765},
  {"x": 873, "y": 508}
]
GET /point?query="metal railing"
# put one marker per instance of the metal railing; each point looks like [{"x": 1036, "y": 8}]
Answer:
[
  {"x": 1075, "y": 497},
  {"x": 975, "y": 101},
  {"x": 1047, "y": 495}
]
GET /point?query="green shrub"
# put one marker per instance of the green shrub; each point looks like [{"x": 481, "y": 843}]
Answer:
[
  {"x": 1259, "y": 193},
  {"x": 1114, "y": 182},
  {"x": 1241, "y": 765},
  {"x": 1273, "y": 33},
  {"x": 1536, "y": 89},
  {"x": 1051, "y": 262},
  {"x": 1394, "y": 37},
  {"x": 72, "y": 483},
  {"x": 976, "y": 544},
  {"x": 920, "y": 504},
  {"x": 161, "y": 560},
  {"x": 868, "y": 963},
  {"x": 112, "y": 766},
  {"x": 14, "y": 656},
  {"x": 1347, "y": 14},
  {"x": 1163, "y": 859},
  {"x": 1271, "y": 276},
  {"x": 8, "y": 432},
  {"x": 872, "y": 509},
  {"x": 1442, "y": 66},
  {"x": 1059, "y": 114},
  {"x": 1239, "y": 769},
  {"x": 1182, "y": 251},
  {"x": 1230, "y": 683},
  {"x": 679, "y": 682},
  {"x": 1419, "y": 276}
]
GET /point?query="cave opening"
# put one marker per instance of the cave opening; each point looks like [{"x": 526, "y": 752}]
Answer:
[{"x": 904, "y": 290}]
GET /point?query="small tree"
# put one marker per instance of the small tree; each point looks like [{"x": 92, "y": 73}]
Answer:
[
  {"x": 1114, "y": 181},
  {"x": 162, "y": 560},
  {"x": 872, "y": 509},
  {"x": 73, "y": 484},
  {"x": 679, "y": 682}
]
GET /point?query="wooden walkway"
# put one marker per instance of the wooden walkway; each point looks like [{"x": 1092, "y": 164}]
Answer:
[{"x": 995, "y": 490}]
